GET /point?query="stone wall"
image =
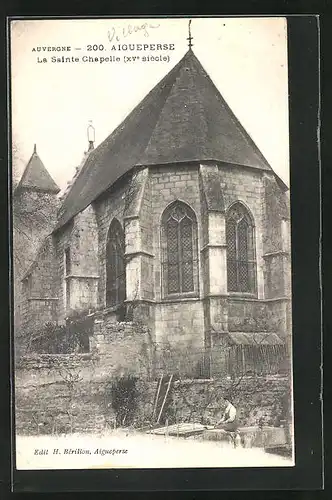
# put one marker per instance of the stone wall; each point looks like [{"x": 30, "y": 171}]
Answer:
[
  {"x": 259, "y": 400},
  {"x": 280, "y": 317},
  {"x": 59, "y": 394},
  {"x": 86, "y": 236},
  {"x": 276, "y": 208},
  {"x": 276, "y": 238},
  {"x": 109, "y": 206},
  {"x": 63, "y": 239},
  {"x": 245, "y": 315},
  {"x": 86, "y": 242},
  {"x": 78, "y": 285},
  {"x": 39, "y": 301},
  {"x": 180, "y": 321},
  {"x": 64, "y": 394},
  {"x": 39, "y": 312},
  {"x": 34, "y": 214},
  {"x": 124, "y": 346},
  {"x": 138, "y": 202},
  {"x": 146, "y": 232}
]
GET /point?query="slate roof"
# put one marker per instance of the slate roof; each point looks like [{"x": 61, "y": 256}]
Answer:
[
  {"x": 36, "y": 176},
  {"x": 261, "y": 338},
  {"x": 183, "y": 119}
]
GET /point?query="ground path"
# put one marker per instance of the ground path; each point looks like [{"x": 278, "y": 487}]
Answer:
[{"x": 143, "y": 451}]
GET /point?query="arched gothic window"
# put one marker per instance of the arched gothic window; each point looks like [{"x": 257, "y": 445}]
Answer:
[
  {"x": 115, "y": 265},
  {"x": 179, "y": 250},
  {"x": 241, "y": 258}
]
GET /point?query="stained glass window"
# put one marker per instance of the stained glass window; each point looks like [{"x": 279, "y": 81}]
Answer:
[
  {"x": 115, "y": 265},
  {"x": 179, "y": 242},
  {"x": 241, "y": 261}
]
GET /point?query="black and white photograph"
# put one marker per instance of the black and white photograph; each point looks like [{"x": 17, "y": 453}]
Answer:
[{"x": 151, "y": 243}]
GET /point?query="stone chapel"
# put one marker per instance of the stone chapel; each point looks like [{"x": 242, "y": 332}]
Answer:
[{"x": 176, "y": 218}]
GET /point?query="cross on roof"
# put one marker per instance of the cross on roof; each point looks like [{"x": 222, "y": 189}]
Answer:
[{"x": 190, "y": 37}]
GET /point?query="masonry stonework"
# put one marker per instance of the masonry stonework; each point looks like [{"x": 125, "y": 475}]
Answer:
[
  {"x": 46, "y": 402},
  {"x": 139, "y": 209},
  {"x": 183, "y": 145},
  {"x": 34, "y": 214}
]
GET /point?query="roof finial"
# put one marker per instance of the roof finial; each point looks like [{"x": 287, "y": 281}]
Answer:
[
  {"x": 189, "y": 37},
  {"x": 91, "y": 135},
  {"x": 35, "y": 149}
]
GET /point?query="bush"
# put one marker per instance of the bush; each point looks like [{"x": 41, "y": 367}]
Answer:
[
  {"x": 124, "y": 397},
  {"x": 79, "y": 328},
  {"x": 59, "y": 339}
]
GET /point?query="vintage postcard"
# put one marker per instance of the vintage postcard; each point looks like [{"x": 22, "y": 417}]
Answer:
[{"x": 151, "y": 243}]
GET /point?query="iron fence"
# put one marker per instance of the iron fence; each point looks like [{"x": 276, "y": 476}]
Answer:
[{"x": 220, "y": 361}]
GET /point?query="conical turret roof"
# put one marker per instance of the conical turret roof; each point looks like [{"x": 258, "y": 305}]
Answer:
[
  {"x": 183, "y": 119},
  {"x": 36, "y": 176}
]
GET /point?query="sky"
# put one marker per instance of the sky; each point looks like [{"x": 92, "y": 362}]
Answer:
[{"x": 52, "y": 103}]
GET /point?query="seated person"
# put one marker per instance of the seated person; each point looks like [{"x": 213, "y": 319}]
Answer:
[{"x": 228, "y": 422}]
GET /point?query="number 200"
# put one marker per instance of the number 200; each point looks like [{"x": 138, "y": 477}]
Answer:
[{"x": 95, "y": 47}]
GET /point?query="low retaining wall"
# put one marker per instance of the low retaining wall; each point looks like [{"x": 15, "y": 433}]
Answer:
[
  {"x": 259, "y": 400},
  {"x": 71, "y": 393}
]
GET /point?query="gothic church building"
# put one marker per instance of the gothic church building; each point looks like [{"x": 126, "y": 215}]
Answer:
[{"x": 177, "y": 218}]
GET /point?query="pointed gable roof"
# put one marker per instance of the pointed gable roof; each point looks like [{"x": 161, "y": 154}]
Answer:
[
  {"x": 36, "y": 177},
  {"x": 183, "y": 119}
]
